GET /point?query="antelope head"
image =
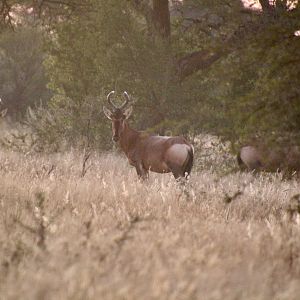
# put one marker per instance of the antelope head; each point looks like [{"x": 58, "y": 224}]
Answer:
[{"x": 118, "y": 114}]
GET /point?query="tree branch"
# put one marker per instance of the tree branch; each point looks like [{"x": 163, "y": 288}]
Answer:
[{"x": 195, "y": 61}]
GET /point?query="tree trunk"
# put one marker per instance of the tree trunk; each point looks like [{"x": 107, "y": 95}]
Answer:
[
  {"x": 265, "y": 5},
  {"x": 161, "y": 17}
]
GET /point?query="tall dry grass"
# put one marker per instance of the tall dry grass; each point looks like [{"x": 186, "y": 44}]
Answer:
[{"x": 108, "y": 236}]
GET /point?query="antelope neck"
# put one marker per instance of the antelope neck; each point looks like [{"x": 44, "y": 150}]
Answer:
[{"x": 128, "y": 138}]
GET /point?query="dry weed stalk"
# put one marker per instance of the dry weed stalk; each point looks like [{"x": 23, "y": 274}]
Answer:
[
  {"x": 40, "y": 218},
  {"x": 86, "y": 157},
  {"x": 228, "y": 199},
  {"x": 293, "y": 211},
  {"x": 125, "y": 232}
]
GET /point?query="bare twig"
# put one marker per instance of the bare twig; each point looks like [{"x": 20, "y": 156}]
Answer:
[
  {"x": 85, "y": 168},
  {"x": 229, "y": 199}
]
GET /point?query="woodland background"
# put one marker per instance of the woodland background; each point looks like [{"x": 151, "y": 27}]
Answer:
[
  {"x": 228, "y": 68},
  {"x": 78, "y": 224}
]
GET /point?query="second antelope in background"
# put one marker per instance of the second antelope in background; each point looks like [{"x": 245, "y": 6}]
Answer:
[
  {"x": 249, "y": 158},
  {"x": 160, "y": 154},
  {"x": 285, "y": 158}
]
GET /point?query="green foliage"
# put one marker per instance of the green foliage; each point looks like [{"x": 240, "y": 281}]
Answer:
[
  {"x": 112, "y": 48},
  {"x": 65, "y": 123},
  {"x": 105, "y": 50},
  {"x": 261, "y": 92},
  {"x": 22, "y": 76},
  {"x": 252, "y": 90}
]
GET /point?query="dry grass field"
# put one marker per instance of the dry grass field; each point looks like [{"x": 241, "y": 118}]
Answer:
[{"x": 106, "y": 235}]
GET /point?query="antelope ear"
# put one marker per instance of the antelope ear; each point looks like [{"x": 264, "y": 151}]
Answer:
[
  {"x": 107, "y": 112},
  {"x": 127, "y": 113}
]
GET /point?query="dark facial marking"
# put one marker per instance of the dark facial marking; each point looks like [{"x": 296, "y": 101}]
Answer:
[{"x": 117, "y": 124}]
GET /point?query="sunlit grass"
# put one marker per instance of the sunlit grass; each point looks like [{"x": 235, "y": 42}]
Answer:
[{"x": 109, "y": 236}]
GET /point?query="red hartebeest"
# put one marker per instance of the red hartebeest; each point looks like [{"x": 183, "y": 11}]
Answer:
[
  {"x": 273, "y": 158},
  {"x": 160, "y": 154},
  {"x": 249, "y": 158}
]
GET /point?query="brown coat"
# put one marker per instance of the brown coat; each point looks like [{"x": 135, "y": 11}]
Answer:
[
  {"x": 160, "y": 154},
  {"x": 285, "y": 159}
]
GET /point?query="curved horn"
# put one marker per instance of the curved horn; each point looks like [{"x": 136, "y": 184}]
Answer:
[
  {"x": 109, "y": 99},
  {"x": 127, "y": 99}
]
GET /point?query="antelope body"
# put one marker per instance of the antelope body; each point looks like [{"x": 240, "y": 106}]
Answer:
[
  {"x": 286, "y": 158},
  {"x": 160, "y": 154}
]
